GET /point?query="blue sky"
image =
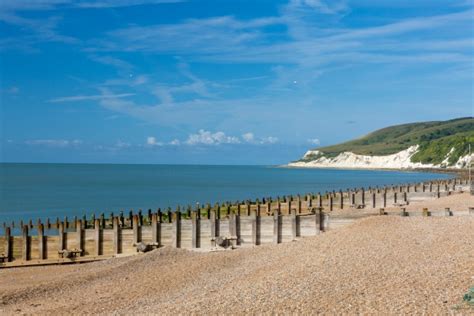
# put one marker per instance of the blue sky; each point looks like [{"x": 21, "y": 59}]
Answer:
[{"x": 228, "y": 82}]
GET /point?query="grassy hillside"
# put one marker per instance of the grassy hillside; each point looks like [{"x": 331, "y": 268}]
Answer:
[{"x": 436, "y": 139}]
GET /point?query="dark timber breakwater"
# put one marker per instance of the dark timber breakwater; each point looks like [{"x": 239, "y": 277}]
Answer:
[{"x": 226, "y": 225}]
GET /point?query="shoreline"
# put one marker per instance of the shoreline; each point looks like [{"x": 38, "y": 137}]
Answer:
[{"x": 462, "y": 172}]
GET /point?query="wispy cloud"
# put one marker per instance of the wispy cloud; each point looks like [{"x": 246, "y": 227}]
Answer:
[
  {"x": 76, "y": 98},
  {"x": 314, "y": 141},
  {"x": 54, "y": 142}
]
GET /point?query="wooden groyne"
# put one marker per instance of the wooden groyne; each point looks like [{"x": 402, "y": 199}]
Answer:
[{"x": 239, "y": 224}]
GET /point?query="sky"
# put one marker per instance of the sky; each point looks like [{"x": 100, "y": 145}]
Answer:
[{"x": 223, "y": 82}]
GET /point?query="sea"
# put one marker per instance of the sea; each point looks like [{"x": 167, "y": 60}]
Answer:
[{"x": 40, "y": 191}]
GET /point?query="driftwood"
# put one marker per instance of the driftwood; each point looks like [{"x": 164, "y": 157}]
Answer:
[
  {"x": 69, "y": 253},
  {"x": 142, "y": 247},
  {"x": 224, "y": 241}
]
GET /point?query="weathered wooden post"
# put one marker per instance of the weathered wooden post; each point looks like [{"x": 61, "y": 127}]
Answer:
[
  {"x": 176, "y": 231},
  {"x": 395, "y": 197},
  {"x": 234, "y": 224},
  {"x": 353, "y": 198},
  {"x": 404, "y": 212},
  {"x": 247, "y": 204},
  {"x": 8, "y": 244},
  {"x": 155, "y": 229},
  {"x": 319, "y": 217},
  {"x": 320, "y": 200},
  {"x": 447, "y": 212},
  {"x": 276, "y": 227},
  {"x": 293, "y": 225},
  {"x": 289, "y": 207},
  {"x": 41, "y": 249},
  {"x": 298, "y": 205},
  {"x": 363, "y": 197},
  {"x": 195, "y": 223},
  {"x": 431, "y": 186},
  {"x": 426, "y": 212},
  {"x": 255, "y": 215},
  {"x": 79, "y": 236},
  {"x": 97, "y": 237},
  {"x": 385, "y": 198},
  {"x": 471, "y": 211},
  {"x": 116, "y": 228},
  {"x": 102, "y": 220},
  {"x": 61, "y": 245},
  {"x": 405, "y": 198},
  {"x": 341, "y": 201},
  {"x": 374, "y": 197},
  {"x": 330, "y": 202},
  {"x": 136, "y": 230},
  {"x": 25, "y": 249},
  {"x": 214, "y": 224}
]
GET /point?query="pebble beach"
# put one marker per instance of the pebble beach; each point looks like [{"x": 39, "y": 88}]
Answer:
[{"x": 377, "y": 265}]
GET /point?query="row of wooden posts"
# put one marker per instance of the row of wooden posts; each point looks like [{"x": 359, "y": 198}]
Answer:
[{"x": 306, "y": 202}]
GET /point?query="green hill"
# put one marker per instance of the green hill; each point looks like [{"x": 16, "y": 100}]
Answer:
[{"x": 436, "y": 139}]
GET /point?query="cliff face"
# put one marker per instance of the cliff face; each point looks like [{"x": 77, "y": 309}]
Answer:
[
  {"x": 410, "y": 146},
  {"x": 349, "y": 160}
]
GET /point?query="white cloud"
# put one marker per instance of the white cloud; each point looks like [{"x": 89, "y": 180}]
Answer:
[
  {"x": 151, "y": 141},
  {"x": 207, "y": 138},
  {"x": 314, "y": 141},
  {"x": 248, "y": 137},
  {"x": 175, "y": 142},
  {"x": 54, "y": 142},
  {"x": 269, "y": 140}
]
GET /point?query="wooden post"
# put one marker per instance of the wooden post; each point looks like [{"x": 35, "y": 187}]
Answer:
[
  {"x": 330, "y": 202},
  {"x": 79, "y": 236},
  {"x": 8, "y": 244},
  {"x": 255, "y": 227},
  {"x": 176, "y": 232},
  {"x": 97, "y": 236},
  {"x": 214, "y": 227},
  {"x": 404, "y": 212},
  {"x": 341, "y": 201},
  {"x": 447, "y": 212},
  {"x": 155, "y": 229},
  {"x": 232, "y": 225},
  {"x": 471, "y": 211},
  {"x": 116, "y": 227},
  {"x": 363, "y": 197},
  {"x": 395, "y": 197},
  {"x": 25, "y": 253},
  {"x": 293, "y": 225},
  {"x": 319, "y": 216},
  {"x": 41, "y": 249},
  {"x": 320, "y": 200},
  {"x": 385, "y": 199},
  {"x": 61, "y": 236},
  {"x": 136, "y": 232},
  {"x": 426, "y": 212},
  {"x": 195, "y": 230},
  {"x": 276, "y": 228},
  {"x": 353, "y": 198},
  {"x": 374, "y": 197},
  {"x": 289, "y": 207}
]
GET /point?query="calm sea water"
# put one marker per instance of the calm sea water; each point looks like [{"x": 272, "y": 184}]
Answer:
[{"x": 30, "y": 191}]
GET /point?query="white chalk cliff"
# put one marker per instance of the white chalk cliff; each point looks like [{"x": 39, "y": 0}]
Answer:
[{"x": 349, "y": 160}]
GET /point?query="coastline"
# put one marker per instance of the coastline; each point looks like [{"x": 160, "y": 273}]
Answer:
[{"x": 368, "y": 266}]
